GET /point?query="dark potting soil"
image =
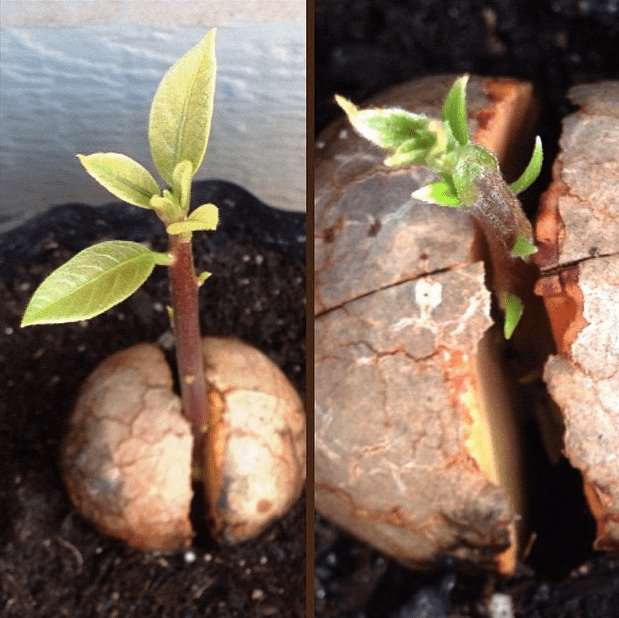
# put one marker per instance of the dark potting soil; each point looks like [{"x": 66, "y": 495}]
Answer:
[
  {"x": 54, "y": 563},
  {"x": 361, "y": 48}
]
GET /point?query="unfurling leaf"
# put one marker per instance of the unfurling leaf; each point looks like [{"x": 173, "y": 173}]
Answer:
[
  {"x": 388, "y": 128},
  {"x": 454, "y": 110},
  {"x": 186, "y": 226},
  {"x": 522, "y": 247},
  {"x": 440, "y": 193},
  {"x": 166, "y": 206},
  {"x": 512, "y": 306},
  {"x": 91, "y": 282},
  {"x": 203, "y": 276},
  {"x": 180, "y": 116},
  {"x": 205, "y": 217},
  {"x": 532, "y": 170},
  {"x": 208, "y": 214},
  {"x": 182, "y": 175},
  {"x": 121, "y": 176}
]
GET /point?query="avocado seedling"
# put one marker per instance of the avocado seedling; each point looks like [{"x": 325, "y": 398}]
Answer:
[
  {"x": 410, "y": 394},
  {"x": 470, "y": 178},
  {"x": 132, "y": 443}
]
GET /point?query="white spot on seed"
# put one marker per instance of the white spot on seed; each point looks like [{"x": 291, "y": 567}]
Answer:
[{"x": 428, "y": 295}]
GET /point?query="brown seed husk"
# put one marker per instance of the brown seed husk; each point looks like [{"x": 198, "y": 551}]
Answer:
[
  {"x": 578, "y": 230},
  {"x": 255, "y": 446},
  {"x": 126, "y": 458}
]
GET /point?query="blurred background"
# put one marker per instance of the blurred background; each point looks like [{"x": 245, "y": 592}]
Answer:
[{"x": 79, "y": 77}]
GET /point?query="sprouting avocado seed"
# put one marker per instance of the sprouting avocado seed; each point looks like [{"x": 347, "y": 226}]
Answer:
[
  {"x": 127, "y": 456},
  {"x": 255, "y": 447}
]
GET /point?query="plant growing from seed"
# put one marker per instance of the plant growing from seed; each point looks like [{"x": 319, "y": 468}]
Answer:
[
  {"x": 105, "y": 274},
  {"x": 102, "y": 276},
  {"x": 470, "y": 178}
]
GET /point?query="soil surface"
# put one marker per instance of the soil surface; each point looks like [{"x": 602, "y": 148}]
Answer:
[
  {"x": 54, "y": 563},
  {"x": 361, "y": 48}
]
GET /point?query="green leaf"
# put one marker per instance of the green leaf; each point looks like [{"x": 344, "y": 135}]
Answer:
[
  {"x": 121, "y": 176},
  {"x": 182, "y": 176},
  {"x": 414, "y": 150},
  {"x": 513, "y": 307},
  {"x": 186, "y": 227},
  {"x": 166, "y": 206},
  {"x": 522, "y": 247},
  {"x": 441, "y": 193},
  {"x": 180, "y": 116},
  {"x": 91, "y": 282},
  {"x": 454, "y": 110},
  {"x": 207, "y": 214},
  {"x": 532, "y": 170},
  {"x": 203, "y": 276},
  {"x": 205, "y": 217},
  {"x": 388, "y": 128}
]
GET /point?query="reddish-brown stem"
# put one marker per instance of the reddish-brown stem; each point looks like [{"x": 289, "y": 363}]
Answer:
[{"x": 184, "y": 284}]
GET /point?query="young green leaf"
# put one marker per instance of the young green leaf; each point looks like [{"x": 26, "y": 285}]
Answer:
[
  {"x": 187, "y": 226},
  {"x": 182, "y": 176},
  {"x": 203, "y": 276},
  {"x": 121, "y": 176},
  {"x": 522, "y": 247},
  {"x": 414, "y": 150},
  {"x": 207, "y": 214},
  {"x": 440, "y": 193},
  {"x": 388, "y": 128},
  {"x": 180, "y": 116},
  {"x": 91, "y": 282},
  {"x": 532, "y": 170},
  {"x": 166, "y": 206},
  {"x": 205, "y": 217},
  {"x": 512, "y": 306},
  {"x": 454, "y": 110}
]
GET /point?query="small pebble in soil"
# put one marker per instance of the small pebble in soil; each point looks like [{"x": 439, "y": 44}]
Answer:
[{"x": 500, "y": 606}]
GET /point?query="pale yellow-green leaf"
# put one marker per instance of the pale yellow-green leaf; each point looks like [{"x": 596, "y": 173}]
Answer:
[
  {"x": 182, "y": 175},
  {"x": 207, "y": 214},
  {"x": 121, "y": 176},
  {"x": 180, "y": 116},
  {"x": 203, "y": 276},
  {"x": 91, "y": 282},
  {"x": 165, "y": 206},
  {"x": 184, "y": 227}
]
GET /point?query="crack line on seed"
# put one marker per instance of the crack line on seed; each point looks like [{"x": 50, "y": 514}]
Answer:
[
  {"x": 558, "y": 268},
  {"x": 438, "y": 271}
]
